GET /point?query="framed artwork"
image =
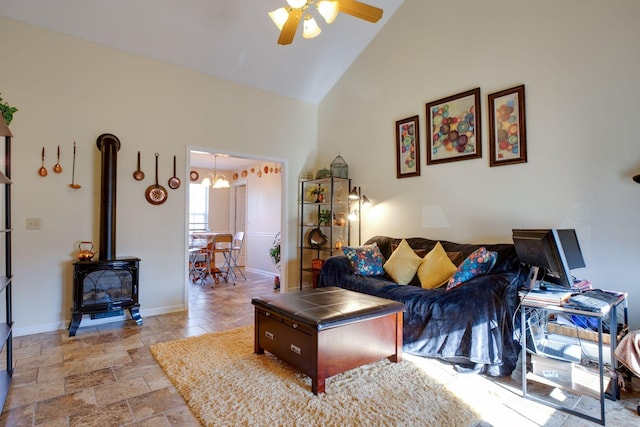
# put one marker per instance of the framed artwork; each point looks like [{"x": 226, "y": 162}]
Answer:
[
  {"x": 408, "y": 147},
  {"x": 454, "y": 128},
  {"x": 507, "y": 129}
]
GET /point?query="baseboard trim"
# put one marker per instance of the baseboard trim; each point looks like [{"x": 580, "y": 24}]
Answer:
[{"x": 87, "y": 321}]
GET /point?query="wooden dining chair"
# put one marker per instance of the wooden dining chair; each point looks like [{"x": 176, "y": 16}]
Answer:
[{"x": 221, "y": 245}]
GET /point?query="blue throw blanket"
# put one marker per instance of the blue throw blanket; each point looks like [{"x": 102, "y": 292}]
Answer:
[{"x": 471, "y": 326}]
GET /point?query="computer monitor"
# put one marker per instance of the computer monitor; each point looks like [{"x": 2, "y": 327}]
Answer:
[
  {"x": 571, "y": 248},
  {"x": 543, "y": 251}
]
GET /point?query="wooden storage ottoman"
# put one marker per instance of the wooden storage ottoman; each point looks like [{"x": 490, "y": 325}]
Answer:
[{"x": 327, "y": 331}]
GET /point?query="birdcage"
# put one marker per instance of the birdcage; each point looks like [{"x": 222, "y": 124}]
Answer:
[
  {"x": 339, "y": 168},
  {"x": 323, "y": 173}
]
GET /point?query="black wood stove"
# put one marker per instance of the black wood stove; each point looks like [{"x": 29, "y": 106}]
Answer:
[{"x": 109, "y": 285}]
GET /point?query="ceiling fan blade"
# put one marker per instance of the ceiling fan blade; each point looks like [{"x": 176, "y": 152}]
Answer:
[
  {"x": 360, "y": 10},
  {"x": 290, "y": 27}
]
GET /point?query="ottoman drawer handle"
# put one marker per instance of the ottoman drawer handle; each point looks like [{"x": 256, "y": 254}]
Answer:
[
  {"x": 295, "y": 349},
  {"x": 268, "y": 334}
]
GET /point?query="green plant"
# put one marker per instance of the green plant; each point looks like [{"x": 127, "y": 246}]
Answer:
[
  {"x": 324, "y": 217},
  {"x": 7, "y": 111},
  {"x": 274, "y": 251}
]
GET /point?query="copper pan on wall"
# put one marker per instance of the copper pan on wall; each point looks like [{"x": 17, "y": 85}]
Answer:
[{"x": 156, "y": 194}]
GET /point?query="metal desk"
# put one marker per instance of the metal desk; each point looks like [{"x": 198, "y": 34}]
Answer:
[{"x": 611, "y": 312}]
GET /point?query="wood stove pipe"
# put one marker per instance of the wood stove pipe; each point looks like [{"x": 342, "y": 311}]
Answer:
[{"x": 108, "y": 145}]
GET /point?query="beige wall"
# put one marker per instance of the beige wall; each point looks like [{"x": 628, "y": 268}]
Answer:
[
  {"x": 70, "y": 90},
  {"x": 579, "y": 61}
]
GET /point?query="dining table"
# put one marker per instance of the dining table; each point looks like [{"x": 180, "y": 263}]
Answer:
[
  {"x": 199, "y": 240},
  {"x": 205, "y": 235}
]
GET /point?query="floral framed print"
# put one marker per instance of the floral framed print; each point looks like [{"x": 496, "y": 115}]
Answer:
[
  {"x": 408, "y": 147},
  {"x": 507, "y": 127},
  {"x": 454, "y": 128}
]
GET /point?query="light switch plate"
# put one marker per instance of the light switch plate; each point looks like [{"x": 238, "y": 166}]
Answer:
[{"x": 33, "y": 223}]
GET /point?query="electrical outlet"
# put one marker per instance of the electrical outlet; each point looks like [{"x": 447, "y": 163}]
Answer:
[{"x": 33, "y": 223}]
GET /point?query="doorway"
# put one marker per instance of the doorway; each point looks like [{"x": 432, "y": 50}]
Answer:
[{"x": 253, "y": 203}]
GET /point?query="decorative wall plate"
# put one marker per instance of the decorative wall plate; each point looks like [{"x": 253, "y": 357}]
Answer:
[{"x": 193, "y": 176}]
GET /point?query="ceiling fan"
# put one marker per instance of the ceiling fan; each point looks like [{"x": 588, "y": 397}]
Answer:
[{"x": 288, "y": 17}]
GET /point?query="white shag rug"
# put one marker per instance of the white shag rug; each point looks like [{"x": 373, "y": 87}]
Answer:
[{"x": 226, "y": 384}]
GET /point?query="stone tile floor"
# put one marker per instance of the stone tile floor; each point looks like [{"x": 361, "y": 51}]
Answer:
[{"x": 106, "y": 376}]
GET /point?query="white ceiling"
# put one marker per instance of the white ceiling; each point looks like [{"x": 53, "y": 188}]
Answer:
[
  {"x": 232, "y": 39},
  {"x": 206, "y": 160}
]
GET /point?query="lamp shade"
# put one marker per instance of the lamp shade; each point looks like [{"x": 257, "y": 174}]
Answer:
[
  {"x": 353, "y": 195},
  {"x": 297, "y": 4},
  {"x": 329, "y": 10},
  {"x": 279, "y": 17},
  {"x": 220, "y": 182},
  {"x": 311, "y": 28}
]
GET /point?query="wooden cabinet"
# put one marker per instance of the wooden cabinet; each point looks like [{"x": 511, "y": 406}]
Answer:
[
  {"x": 324, "y": 223},
  {"x": 6, "y": 274}
]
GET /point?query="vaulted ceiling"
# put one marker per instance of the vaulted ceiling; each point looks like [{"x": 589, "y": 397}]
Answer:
[{"x": 231, "y": 39}]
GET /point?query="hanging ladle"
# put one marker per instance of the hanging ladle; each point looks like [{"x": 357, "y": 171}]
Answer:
[
  {"x": 73, "y": 170},
  {"x": 138, "y": 175},
  {"x": 57, "y": 168},
  {"x": 42, "y": 171}
]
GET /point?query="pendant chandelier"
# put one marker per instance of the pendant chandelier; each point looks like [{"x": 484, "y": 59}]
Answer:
[
  {"x": 288, "y": 17},
  {"x": 215, "y": 180}
]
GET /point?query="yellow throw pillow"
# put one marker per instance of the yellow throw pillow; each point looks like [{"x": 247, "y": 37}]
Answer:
[
  {"x": 436, "y": 268},
  {"x": 402, "y": 264}
]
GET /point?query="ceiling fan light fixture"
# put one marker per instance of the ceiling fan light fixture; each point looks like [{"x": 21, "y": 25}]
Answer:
[
  {"x": 311, "y": 28},
  {"x": 297, "y": 4},
  {"x": 279, "y": 17},
  {"x": 296, "y": 11},
  {"x": 329, "y": 10}
]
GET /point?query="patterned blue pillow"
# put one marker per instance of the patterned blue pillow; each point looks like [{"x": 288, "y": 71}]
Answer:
[
  {"x": 478, "y": 263},
  {"x": 366, "y": 260}
]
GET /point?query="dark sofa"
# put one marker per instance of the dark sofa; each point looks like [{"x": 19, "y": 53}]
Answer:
[{"x": 471, "y": 326}]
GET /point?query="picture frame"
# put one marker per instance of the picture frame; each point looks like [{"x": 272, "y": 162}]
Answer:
[
  {"x": 507, "y": 127},
  {"x": 408, "y": 147},
  {"x": 454, "y": 128}
]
